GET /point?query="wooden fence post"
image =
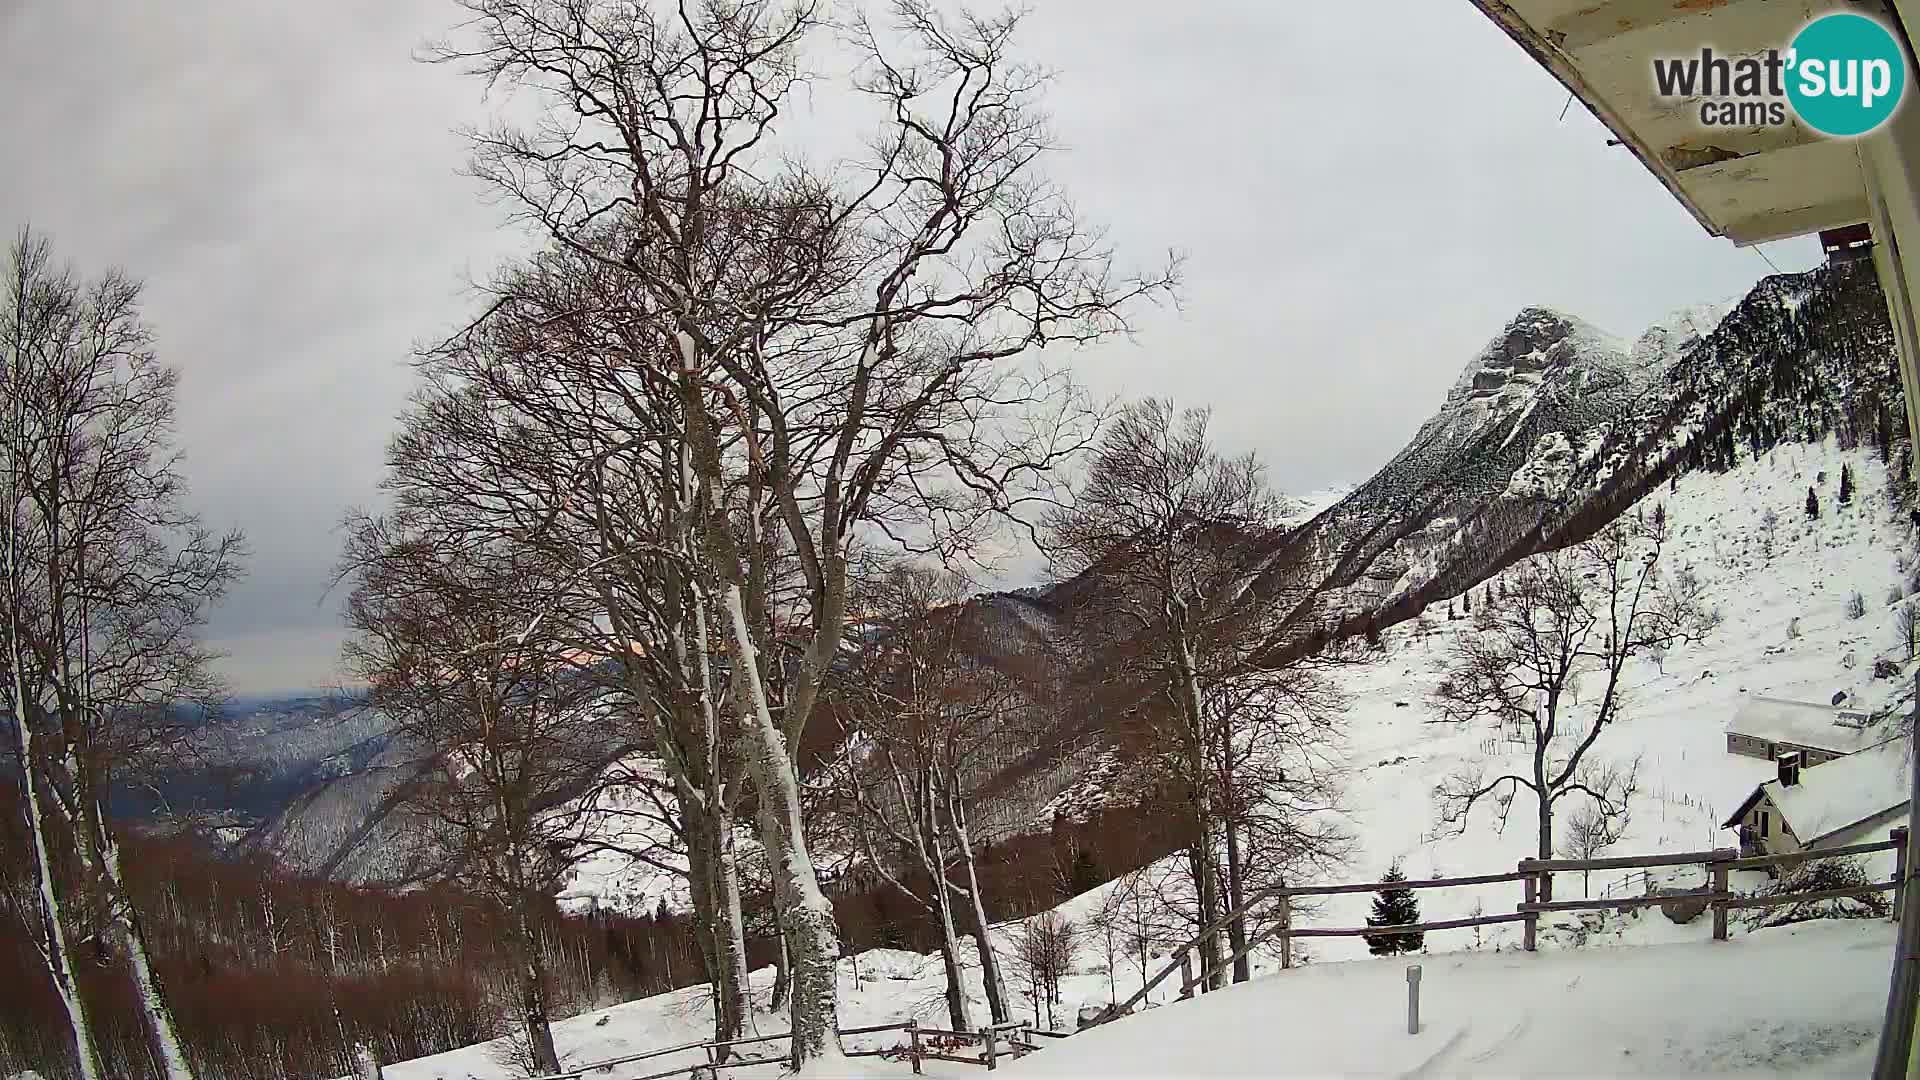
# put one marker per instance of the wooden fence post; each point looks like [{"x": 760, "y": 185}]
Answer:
[
  {"x": 1286, "y": 930},
  {"x": 993, "y": 1045},
  {"x": 1899, "y": 836},
  {"x": 1719, "y": 906},
  {"x": 913, "y": 1045},
  {"x": 1530, "y": 927},
  {"x": 1186, "y": 973}
]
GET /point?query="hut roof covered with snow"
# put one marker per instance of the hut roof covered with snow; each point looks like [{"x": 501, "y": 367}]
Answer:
[
  {"x": 1803, "y": 724},
  {"x": 1833, "y": 797}
]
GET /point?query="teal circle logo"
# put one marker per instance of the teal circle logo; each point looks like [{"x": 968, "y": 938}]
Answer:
[{"x": 1846, "y": 74}]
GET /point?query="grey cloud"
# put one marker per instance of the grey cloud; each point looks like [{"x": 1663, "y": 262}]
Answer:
[{"x": 1365, "y": 193}]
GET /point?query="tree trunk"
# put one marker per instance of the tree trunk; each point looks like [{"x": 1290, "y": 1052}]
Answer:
[
  {"x": 733, "y": 987},
  {"x": 934, "y": 863},
  {"x": 56, "y": 949},
  {"x": 714, "y": 888},
  {"x": 957, "y": 1011},
  {"x": 1201, "y": 873},
  {"x": 534, "y": 1011},
  {"x": 1543, "y": 795},
  {"x": 1201, "y": 855},
  {"x": 1237, "y": 903},
  {"x": 975, "y": 909},
  {"x": 782, "y": 969},
  {"x": 813, "y": 939},
  {"x": 366, "y": 1064},
  {"x": 700, "y": 896},
  {"x": 153, "y": 1002},
  {"x": 1546, "y": 846}
]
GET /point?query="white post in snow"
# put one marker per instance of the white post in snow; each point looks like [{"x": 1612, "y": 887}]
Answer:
[{"x": 1413, "y": 999}]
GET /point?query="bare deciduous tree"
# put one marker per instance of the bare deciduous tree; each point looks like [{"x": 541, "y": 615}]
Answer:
[
  {"x": 107, "y": 583},
  {"x": 1591, "y": 828},
  {"x": 1168, "y": 533},
  {"x": 1044, "y": 951},
  {"x": 842, "y": 345},
  {"x": 930, "y": 719},
  {"x": 540, "y": 429},
  {"x": 506, "y": 730},
  {"x": 1589, "y": 608}
]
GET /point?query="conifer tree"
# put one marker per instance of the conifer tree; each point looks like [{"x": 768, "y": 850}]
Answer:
[
  {"x": 1394, "y": 907},
  {"x": 1813, "y": 505},
  {"x": 1466, "y": 602},
  {"x": 1846, "y": 484}
]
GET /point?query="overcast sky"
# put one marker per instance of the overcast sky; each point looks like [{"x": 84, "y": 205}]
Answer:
[{"x": 1363, "y": 203}]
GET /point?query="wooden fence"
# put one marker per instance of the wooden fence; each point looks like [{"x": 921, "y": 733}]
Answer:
[
  {"x": 922, "y": 1043},
  {"x": 1535, "y": 875},
  {"x": 1536, "y": 878}
]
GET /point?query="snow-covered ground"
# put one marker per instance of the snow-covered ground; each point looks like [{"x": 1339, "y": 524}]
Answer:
[
  {"x": 1783, "y": 632},
  {"x": 1642, "y": 995},
  {"x": 1804, "y": 1000}
]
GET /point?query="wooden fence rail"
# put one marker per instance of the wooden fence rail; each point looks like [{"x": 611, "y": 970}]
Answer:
[
  {"x": 1015, "y": 1033},
  {"x": 1536, "y": 878}
]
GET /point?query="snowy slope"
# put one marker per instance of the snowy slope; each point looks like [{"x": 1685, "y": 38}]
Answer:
[
  {"x": 1803, "y": 1000},
  {"x": 1784, "y": 632},
  {"x": 1490, "y": 1011}
]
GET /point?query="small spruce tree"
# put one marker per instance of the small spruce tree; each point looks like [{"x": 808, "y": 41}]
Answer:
[
  {"x": 1846, "y": 484},
  {"x": 1813, "y": 505},
  {"x": 1466, "y": 603},
  {"x": 1394, "y": 907}
]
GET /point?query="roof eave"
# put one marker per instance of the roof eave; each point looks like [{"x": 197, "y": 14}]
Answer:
[
  {"x": 1732, "y": 822},
  {"x": 1547, "y": 55},
  {"x": 1831, "y": 833}
]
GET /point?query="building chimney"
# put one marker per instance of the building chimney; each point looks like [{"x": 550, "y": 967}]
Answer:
[{"x": 1789, "y": 762}]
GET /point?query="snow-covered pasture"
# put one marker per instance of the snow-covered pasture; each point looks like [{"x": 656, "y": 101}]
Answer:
[{"x": 1642, "y": 995}]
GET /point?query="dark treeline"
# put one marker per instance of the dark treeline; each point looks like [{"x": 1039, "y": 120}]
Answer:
[
  {"x": 1022, "y": 875},
  {"x": 272, "y": 976}
]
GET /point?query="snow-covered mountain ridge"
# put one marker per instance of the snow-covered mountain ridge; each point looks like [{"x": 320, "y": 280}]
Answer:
[{"x": 1553, "y": 427}]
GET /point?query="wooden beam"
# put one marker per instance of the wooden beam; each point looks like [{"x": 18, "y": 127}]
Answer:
[
  {"x": 1822, "y": 894},
  {"x": 1631, "y": 862},
  {"x": 1621, "y": 903},
  {"x": 1592, "y": 25},
  {"x": 1710, "y": 147},
  {"x": 1779, "y": 225},
  {"x": 1376, "y": 886},
  {"x": 1409, "y": 928},
  {"x": 1755, "y": 862}
]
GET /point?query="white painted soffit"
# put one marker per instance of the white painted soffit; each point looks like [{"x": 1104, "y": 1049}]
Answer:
[{"x": 1749, "y": 184}]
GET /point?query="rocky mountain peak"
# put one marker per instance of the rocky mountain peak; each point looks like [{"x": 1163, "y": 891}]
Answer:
[{"x": 1536, "y": 342}]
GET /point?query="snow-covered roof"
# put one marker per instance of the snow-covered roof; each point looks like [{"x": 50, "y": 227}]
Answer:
[
  {"x": 1802, "y": 723},
  {"x": 1845, "y": 791}
]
